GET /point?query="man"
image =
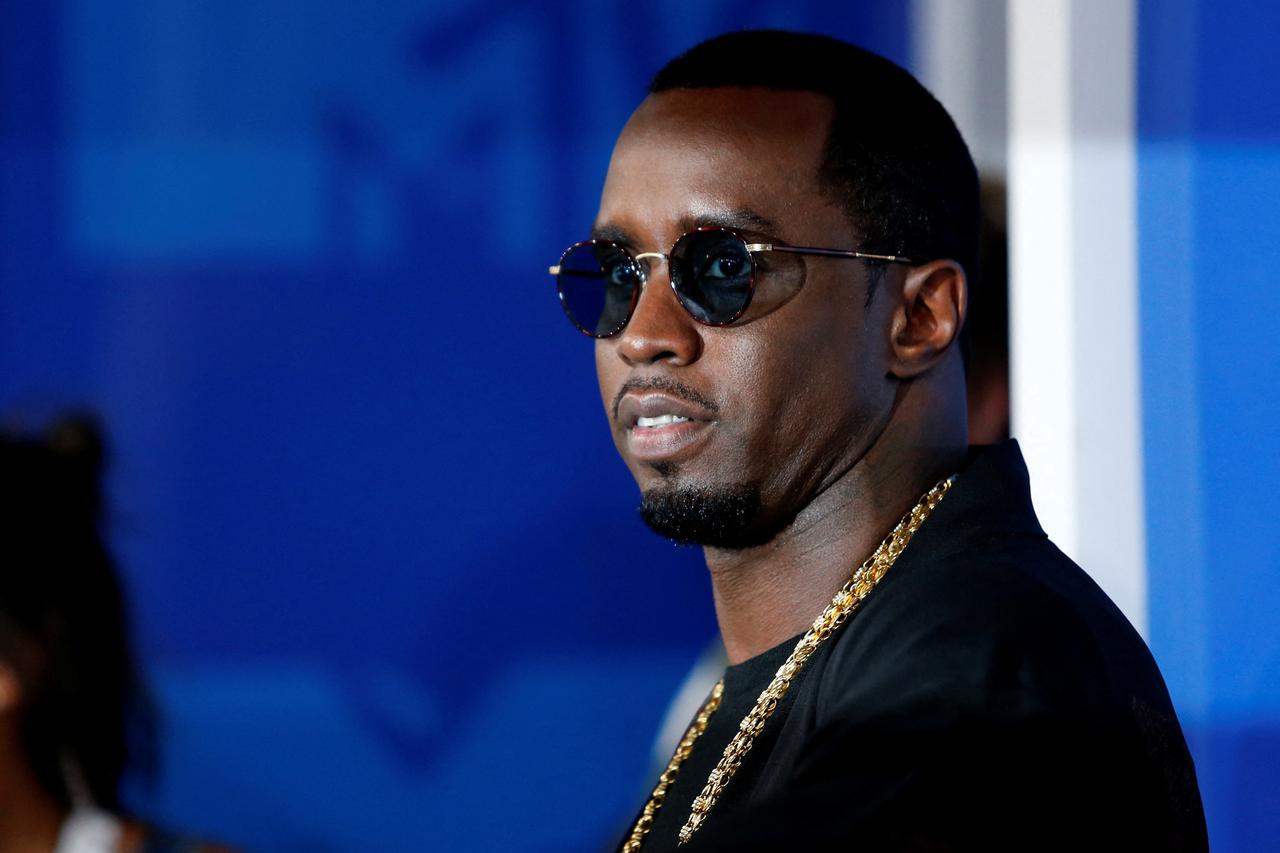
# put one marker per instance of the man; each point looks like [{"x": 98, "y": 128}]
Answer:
[{"x": 777, "y": 285}]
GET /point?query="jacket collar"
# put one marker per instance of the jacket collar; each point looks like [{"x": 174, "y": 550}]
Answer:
[{"x": 990, "y": 499}]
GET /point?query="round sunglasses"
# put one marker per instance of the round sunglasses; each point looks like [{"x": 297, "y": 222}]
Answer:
[{"x": 712, "y": 273}]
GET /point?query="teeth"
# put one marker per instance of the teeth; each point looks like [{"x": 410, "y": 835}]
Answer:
[{"x": 660, "y": 420}]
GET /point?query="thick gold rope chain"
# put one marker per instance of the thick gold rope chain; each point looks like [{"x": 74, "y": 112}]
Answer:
[{"x": 845, "y": 601}]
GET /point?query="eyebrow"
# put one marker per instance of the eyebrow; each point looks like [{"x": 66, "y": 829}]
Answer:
[
  {"x": 737, "y": 218},
  {"x": 614, "y": 234}
]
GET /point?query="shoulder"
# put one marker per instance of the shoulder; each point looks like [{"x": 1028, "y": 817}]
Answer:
[
  {"x": 1005, "y": 670},
  {"x": 1011, "y": 618}
]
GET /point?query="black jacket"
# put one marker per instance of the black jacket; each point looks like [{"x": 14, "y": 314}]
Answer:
[{"x": 986, "y": 696}]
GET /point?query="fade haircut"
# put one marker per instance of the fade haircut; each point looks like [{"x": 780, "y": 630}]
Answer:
[{"x": 894, "y": 159}]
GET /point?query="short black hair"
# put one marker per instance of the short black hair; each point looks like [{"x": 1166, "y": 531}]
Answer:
[{"x": 894, "y": 159}]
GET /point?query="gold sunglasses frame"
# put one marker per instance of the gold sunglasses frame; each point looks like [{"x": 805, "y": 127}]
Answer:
[{"x": 752, "y": 248}]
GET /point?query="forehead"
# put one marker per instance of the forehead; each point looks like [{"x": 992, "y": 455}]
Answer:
[{"x": 690, "y": 154}]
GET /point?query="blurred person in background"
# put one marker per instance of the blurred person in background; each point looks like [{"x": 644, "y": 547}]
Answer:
[
  {"x": 777, "y": 281},
  {"x": 73, "y": 713}
]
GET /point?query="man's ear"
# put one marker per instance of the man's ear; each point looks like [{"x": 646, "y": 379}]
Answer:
[{"x": 926, "y": 321}]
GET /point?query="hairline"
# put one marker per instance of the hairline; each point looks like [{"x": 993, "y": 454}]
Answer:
[
  {"x": 874, "y": 272},
  {"x": 826, "y": 162}
]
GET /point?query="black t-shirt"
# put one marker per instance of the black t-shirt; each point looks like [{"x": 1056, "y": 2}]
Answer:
[
  {"x": 743, "y": 683},
  {"x": 986, "y": 696}
]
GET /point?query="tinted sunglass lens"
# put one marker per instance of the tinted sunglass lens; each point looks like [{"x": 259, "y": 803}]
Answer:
[
  {"x": 598, "y": 283},
  {"x": 713, "y": 275}
]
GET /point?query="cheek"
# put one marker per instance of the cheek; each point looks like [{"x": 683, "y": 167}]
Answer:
[
  {"x": 608, "y": 375},
  {"x": 808, "y": 388}
]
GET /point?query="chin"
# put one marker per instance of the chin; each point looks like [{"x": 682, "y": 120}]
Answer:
[{"x": 725, "y": 517}]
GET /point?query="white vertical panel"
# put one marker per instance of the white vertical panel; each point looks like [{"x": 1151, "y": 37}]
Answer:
[
  {"x": 959, "y": 55},
  {"x": 1111, "y": 521},
  {"x": 1076, "y": 401},
  {"x": 1042, "y": 315}
]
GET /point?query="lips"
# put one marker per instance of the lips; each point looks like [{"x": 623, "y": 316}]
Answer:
[{"x": 660, "y": 426}]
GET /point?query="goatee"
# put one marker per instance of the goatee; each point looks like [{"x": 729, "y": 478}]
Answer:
[{"x": 727, "y": 518}]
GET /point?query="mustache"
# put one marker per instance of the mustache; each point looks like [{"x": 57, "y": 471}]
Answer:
[{"x": 668, "y": 385}]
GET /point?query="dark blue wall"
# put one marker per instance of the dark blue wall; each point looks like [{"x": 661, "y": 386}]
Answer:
[
  {"x": 1209, "y": 208},
  {"x": 388, "y": 580}
]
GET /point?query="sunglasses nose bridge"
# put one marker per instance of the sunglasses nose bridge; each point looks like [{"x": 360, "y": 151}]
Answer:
[
  {"x": 645, "y": 262},
  {"x": 650, "y": 257}
]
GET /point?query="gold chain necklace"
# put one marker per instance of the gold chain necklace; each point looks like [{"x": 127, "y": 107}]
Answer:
[{"x": 845, "y": 601}]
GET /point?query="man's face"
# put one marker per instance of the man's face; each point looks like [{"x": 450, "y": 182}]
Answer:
[{"x": 779, "y": 404}]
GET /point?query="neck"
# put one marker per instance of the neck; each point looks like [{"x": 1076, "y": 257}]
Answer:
[
  {"x": 30, "y": 819},
  {"x": 766, "y": 595}
]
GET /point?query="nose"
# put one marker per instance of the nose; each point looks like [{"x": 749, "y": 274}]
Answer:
[{"x": 660, "y": 330}]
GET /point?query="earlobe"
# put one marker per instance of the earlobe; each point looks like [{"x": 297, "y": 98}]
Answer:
[{"x": 928, "y": 317}]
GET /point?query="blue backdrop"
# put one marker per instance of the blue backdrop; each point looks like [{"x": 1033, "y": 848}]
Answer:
[
  {"x": 389, "y": 584},
  {"x": 1209, "y": 207}
]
